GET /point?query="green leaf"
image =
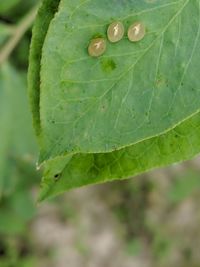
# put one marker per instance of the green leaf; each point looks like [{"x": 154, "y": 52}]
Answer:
[
  {"x": 44, "y": 17},
  {"x": 133, "y": 109},
  {"x": 179, "y": 144}
]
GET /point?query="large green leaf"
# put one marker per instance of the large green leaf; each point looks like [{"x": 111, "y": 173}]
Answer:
[
  {"x": 133, "y": 109},
  {"x": 181, "y": 143}
]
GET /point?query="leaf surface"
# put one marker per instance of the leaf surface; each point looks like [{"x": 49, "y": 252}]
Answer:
[
  {"x": 180, "y": 144},
  {"x": 133, "y": 92},
  {"x": 118, "y": 115}
]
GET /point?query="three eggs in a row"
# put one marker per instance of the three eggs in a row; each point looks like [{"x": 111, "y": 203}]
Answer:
[{"x": 115, "y": 33}]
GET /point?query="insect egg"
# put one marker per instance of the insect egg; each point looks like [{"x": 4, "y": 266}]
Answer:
[
  {"x": 136, "y": 32},
  {"x": 97, "y": 47},
  {"x": 115, "y": 32}
]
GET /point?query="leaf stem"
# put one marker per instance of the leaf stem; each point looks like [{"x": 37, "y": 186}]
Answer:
[{"x": 18, "y": 33}]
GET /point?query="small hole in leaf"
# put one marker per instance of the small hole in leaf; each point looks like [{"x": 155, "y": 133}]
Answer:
[
  {"x": 97, "y": 35},
  {"x": 57, "y": 176}
]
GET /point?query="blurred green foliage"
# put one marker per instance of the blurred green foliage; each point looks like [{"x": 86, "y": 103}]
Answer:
[
  {"x": 13, "y": 10},
  {"x": 18, "y": 149},
  {"x": 7, "y": 5},
  {"x": 5, "y": 31},
  {"x": 19, "y": 178}
]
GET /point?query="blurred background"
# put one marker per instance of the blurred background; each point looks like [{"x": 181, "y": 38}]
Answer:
[{"x": 149, "y": 221}]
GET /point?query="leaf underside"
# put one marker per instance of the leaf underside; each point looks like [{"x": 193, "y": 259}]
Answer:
[{"x": 133, "y": 109}]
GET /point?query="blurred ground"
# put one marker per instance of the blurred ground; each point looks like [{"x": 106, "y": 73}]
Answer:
[
  {"x": 148, "y": 221},
  {"x": 151, "y": 220}
]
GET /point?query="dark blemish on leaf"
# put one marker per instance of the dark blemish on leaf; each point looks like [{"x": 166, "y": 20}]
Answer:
[
  {"x": 114, "y": 148},
  {"x": 57, "y": 176},
  {"x": 94, "y": 171},
  {"x": 161, "y": 81},
  {"x": 126, "y": 23},
  {"x": 108, "y": 65},
  {"x": 97, "y": 35}
]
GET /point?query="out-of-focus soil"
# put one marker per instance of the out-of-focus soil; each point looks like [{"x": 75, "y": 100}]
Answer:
[{"x": 130, "y": 223}]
